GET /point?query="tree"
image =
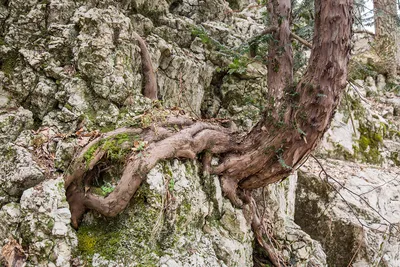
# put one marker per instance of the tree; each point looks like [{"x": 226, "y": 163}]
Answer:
[
  {"x": 387, "y": 35},
  {"x": 290, "y": 128}
]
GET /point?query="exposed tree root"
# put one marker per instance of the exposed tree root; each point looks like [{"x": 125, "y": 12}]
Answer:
[
  {"x": 260, "y": 231},
  {"x": 150, "y": 88},
  {"x": 163, "y": 144}
]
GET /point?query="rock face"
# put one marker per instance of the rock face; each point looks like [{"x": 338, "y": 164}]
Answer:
[
  {"x": 41, "y": 220},
  {"x": 354, "y": 213},
  {"x": 68, "y": 67}
]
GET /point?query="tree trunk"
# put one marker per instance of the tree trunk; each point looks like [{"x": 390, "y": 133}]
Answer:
[
  {"x": 387, "y": 36},
  {"x": 285, "y": 136}
]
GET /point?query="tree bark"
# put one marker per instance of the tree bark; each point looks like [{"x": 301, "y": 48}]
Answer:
[
  {"x": 285, "y": 137},
  {"x": 280, "y": 56},
  {"x": 387, "y": 36}
]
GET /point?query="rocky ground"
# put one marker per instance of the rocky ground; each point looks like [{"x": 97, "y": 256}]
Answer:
[{"x": 72, "y": 69}]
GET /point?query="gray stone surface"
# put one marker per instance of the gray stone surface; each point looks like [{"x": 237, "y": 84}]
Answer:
[
  {"x": 18, "y": 172},
  {"x": 354, "y": 211}
]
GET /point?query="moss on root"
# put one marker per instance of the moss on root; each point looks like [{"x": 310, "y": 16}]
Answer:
[{"x": 113, "y": 146}]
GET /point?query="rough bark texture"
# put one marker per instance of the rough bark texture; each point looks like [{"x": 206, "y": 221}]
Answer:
[
  {"x": 290, "y": 129},
  {"x": 280, "y": 56},
  {"x": 387, "y": 35},
  {"x": 284, "y": 137}
]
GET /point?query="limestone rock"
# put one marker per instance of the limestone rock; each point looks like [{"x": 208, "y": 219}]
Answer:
[
  {"x": 18, "y": 172},
  {"x": 10, "y": 217},
  {"x": 354, "y": 211},
  {"x": 45, "y": 224},
  {"x": 13, "y": 123},
  {"x": 278, "y": 203}
]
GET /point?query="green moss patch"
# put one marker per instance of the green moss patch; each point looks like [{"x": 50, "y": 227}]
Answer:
[
  {"x": 114, "y": 147},
  {"x": 125, "y": 238},
  {"x": 369, "y": 144}
]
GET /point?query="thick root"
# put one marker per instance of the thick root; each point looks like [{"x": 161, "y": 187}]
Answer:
[{"x": 186, "y": 143}]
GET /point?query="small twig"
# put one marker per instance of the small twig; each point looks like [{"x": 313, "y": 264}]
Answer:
[
  {"x": 385, "y": 183},
  {"x": 292, "y": 34},
  {"x": 353, "y": 85},
  {"x": 355, "y": 194},
  {"x": 301, "y": 40},
  {"x": 364, "y": 31},
  {"x": 356, "y": 252}
]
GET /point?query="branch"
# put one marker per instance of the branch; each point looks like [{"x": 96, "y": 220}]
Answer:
[
  {"x": 301, "y": 40},
  {"x": 360, "y": 196},
  {"x": 292, "y": 34},
  {"x": 364, "y": 31}
]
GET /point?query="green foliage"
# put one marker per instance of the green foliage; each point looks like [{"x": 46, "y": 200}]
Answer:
[
  {"x": 238, "y": 65},
  {"x": 107, "y": 188},
  {"x": 171, "y": 185},
  {"x": 393, "y": 87},
  {"x": 360, "y": 71},
  {"x": 203, "y": 35},
  {"x": 239, "y": 56}
]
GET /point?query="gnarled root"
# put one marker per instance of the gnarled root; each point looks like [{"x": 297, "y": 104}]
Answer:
[
  {"x": 260, "y": 231},
  {"x": 186, "y": 143}
]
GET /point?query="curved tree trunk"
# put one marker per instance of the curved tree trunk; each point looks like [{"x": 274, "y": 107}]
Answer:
[
  {"x": 387, "y": 36},
  {"x": 285, "y": 136}
]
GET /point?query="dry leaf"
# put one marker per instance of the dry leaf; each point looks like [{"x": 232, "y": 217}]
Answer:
[{"x": 14, "y": 254}]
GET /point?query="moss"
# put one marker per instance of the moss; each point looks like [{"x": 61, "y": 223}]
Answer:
[
  {"x": 88, "y": 156},
  {"x": 364, "y": 142},
  {"x": 8, "y": 63},
  {"x": 395, "y": 157},
  {"x": 113, "y": 146},
  {"x": 115, "y": 151},
  {"x": 369, "y": 144},
  {"x": 10, "y": 153},
  {"x": 68, "y": 106},
  {"x": 110, "y": 238},
  {"x": 98, "y": 191},
  {"x": 108, "y": 128}
]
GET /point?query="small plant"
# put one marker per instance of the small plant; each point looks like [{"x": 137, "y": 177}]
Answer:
[
  {"x": 139, "y": 145},
  {"x": 107, "y": 188},
  {"x": 238, "y": 65},
  {"x": 171, "y": 184}
]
